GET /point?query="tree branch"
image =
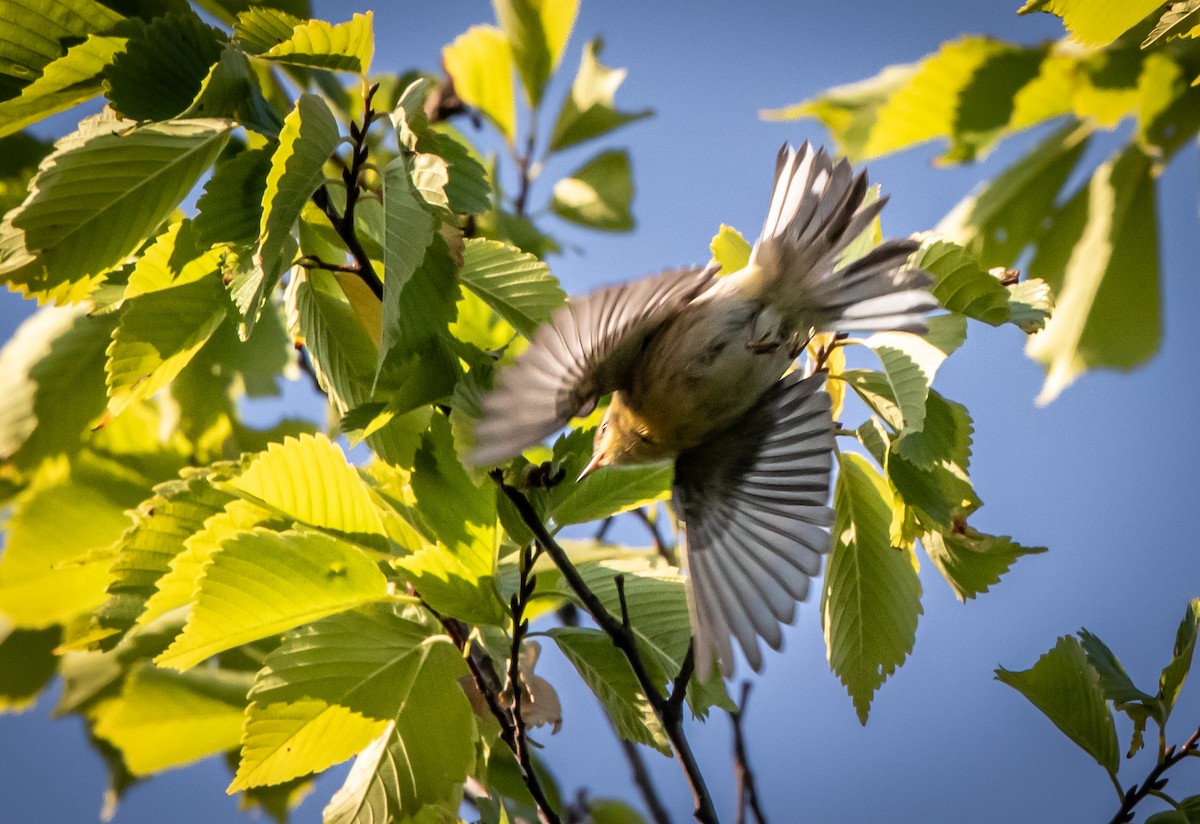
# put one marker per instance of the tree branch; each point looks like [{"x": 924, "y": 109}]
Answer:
[
  {"x": 747, "y": 789},
  {"x": 520, "y": 626},
  {"x": 666, "y": 709},
  {"x": 1154, "y": 782},
  {"x": 660, "y": 546}
]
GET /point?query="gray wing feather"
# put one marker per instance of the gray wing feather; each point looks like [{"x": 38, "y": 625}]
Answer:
[
  {"x": 583, "y": 352},
  {"x": 753, "y": 501}
]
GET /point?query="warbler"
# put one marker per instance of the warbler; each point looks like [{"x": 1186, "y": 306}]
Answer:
[{"x": 697, "y": 367}]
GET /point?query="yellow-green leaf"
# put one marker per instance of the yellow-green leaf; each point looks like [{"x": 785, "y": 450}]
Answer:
[
  {"x": 590, "y": 109},
  {"x": 537, "y": 31},
  {"x": 598, "y": 194},
  {"x": 480, "y": 61},
  {"x": 315, "y": 44},
  {"x": 730, "y": 249},
  {"x": 1094, "y": 22},
  {"x": 518, "y": 286}
]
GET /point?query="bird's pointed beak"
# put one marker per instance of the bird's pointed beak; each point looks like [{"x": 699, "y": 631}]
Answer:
[{"x": 595, "y": 463}]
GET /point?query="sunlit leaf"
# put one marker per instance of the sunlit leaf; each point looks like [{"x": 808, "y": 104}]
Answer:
[
  {"x": 97, "y": 197},
  {"x": 537, "y": 30},
  {"x": 1178, "y": 20},
  {"x": 608, "y": 491},
  {"x": 598, "y": 194},
  {"x": 1067, "y": 690},
  {"x": 1031, "y": 304},
  {"x": 910, "y": 363},
  {"x": 962, "y": 285},
  {"x": 970, "y": 561},
  {"x": 167, "y": 719},
  {"x": 27, "y": 663},
  {"x": 409, "y": 229},
  {"x": 730, "y": 249},
  {"x": 1094, "y": 22},
  {"x": 230, "y": 210},
  {"x": 32, "y": 34},
  {"x": 260, "y": 583},
  {"x": 480, "y": 61},
  {"x": 346, "y": 47},
  {"x": 174, "y": 258},
  {"x": 518, "y": 286},
  {"x": 872, "y": 597},
  {"x": 257, "y": 29},
  {"x": 590, "y": 109},
  {"x": 1175, "y": 673},
  {"x": 1101, "y": 258}
]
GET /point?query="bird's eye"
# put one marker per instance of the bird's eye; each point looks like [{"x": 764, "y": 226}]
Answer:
[
  {"x": 603, "y": 427},
  {"x": 645, "y": 438}
]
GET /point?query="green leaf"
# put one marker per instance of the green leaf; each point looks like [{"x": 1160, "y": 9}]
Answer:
[
  {"x": 607, "y": 492},
  {"x": 518, "y": 286},
  {"x": 162, "y": 67},
  {"x": 315, "y": 44},
  {"x": 424, "y": 755},
  {"x": 1067, "y": 691},
  {"x": 72, "y": 78},
  {"x": 260, "y": 583},
  {"x": 480, "y": 62},
  {"x": 52, "y": 383},
  {"x": 230, "y": 210},
  {"x": 166, "y": 719},
  {"x": 537, "y": 31},
  {"x": 32, "y": 34},
  {"x": 307, "y": 479},
  {"x": 872, "y": 597},
  {"x": 972, "y": 562},
  {"x": 308, "y": 139},
  {"x": 158, "y": 334},
  {"x": 1118, "y": 687},
  {"x": 409, "y": 230},
  {"x": 232, "y": 89},
  {"x": 468, "y": 191},
  {"x": 1094, "y": 22},
  {"x": 1175, "y": 673},
  {"x": 257, "y": 29},
  {"x": 1031, "y": 304},
  {"x": 96, "y": 198},
  {"x": 590, "y": 110},
  {"x": 598, "y": 194},
  {"x": 730, "y": 249},
  {"x": 607, "y": 672},
  {"x": 1101, "y": 258},
  {"x": 174, "y": 258},
  {"x": 1178, "y": 20},
  {"x": 27, "y": 663},
  {"x": 161, "y": 525},
  {"x": 962, "y": 285},
  {"x": 910, "y": 363}
]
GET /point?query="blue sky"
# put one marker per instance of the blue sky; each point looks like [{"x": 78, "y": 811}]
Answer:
[{"x": 1104, "y": 476}]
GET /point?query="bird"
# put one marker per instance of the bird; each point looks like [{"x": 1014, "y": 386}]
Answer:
[{"x": 700, "y": 370}]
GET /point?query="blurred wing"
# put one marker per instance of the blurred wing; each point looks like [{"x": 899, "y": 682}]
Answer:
[
  {"x": 585, "y": 351},
  {"x": 753, "y": 502}
]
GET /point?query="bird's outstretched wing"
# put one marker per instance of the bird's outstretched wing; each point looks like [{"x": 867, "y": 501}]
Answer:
[
  {"x": 818, "y": 208},
  {"x": 753, "y": 501},
  {"x": 584, "y": 352}
]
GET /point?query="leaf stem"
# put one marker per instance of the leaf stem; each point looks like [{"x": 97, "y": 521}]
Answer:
[
  {"x": 1154, "y": 782},
  {"x": 667, "y": 709},
  {"x": 747, "y": 789}
]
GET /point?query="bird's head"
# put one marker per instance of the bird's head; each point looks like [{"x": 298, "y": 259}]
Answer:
[{"x": 623, "y": 437}]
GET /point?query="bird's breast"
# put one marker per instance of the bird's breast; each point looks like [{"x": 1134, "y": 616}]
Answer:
[{"x": 705, "y": 368}]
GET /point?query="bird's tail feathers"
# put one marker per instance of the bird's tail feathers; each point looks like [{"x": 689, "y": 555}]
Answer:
[{"x": 818, "y": 208}]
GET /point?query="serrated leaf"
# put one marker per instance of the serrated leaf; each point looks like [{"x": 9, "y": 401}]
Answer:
[
  {"x": 468, "y": 190},
  {"x": 307, "y": 140},
  {"x": 422, "y": 758},
  {"x": 910, "y": 363},
  {"x": 51, "y": 383},
  {"x": 308, "y": 479},
  {"x": 590, "y": 109},
  {"x": 730, "y": 249},
  {"x": 970, "y": 561},
  {"x": 1118, "y": 687},
  {"x": 166, "y": 719},
  {"x": 598, "y": 194},
  {"x": 174, "y": 258},
  {"x": 962, "y": 285},
  {"x": 518, "y": 286},
  {"x": 96, "y": 198},
  {"x": 261, "y": 582},
  {"x": 537, "y": 31},
  {"x": 480, "y": 61},
  {"x": 1175, "y": 673},
  {"x": 72, "y": 78},
  {"x": 257, "y": 29},
  {"x": 997, "y": 221},
  {"x": 315, "y": 44},
  {"x": 1178, "y": 20},
  {"x": 607, "y": 673},
  {"x": 1101, "y": 257},
  {"x": 872, "y": 596},
  {"x": 230, "y": 210},
  {"x": 609, "y": 491},
  {"x": 409, "y": 230},
  {"x": 157, "y": 335},
  {"x": 27, "y": 663},
  {"x": 33, "y": 33},
  {"x": 1031, "y": 304},
  {"x": 1067, "y": 691},
  {"x": 162, "y": 67},
  {"x": 1094, "y": 22}
]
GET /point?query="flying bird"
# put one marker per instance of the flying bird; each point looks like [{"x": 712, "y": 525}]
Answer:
[{"x": 697, "y": 367}]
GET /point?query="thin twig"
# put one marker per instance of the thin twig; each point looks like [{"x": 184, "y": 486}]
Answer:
[
  {"x": 624, "y": 640},
  {"x": 524, "y": 167},
  {"x": 1154, "y": 781},
  {"x": 520, "y": 600},
  {"x": 660, "y": 546},
  {"x": 312, "y": 262},
  {"x": 747, "y": 789},
  {"x": 643, "y": 781}
]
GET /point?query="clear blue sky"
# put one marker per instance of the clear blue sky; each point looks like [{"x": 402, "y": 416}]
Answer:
[{"x": 1104, "y": 476}]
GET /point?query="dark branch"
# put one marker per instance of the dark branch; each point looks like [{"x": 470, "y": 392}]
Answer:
[
  {"x": 1154, "y": 782},
  {"x": 519, "y": 601},
  {"x": 624, "y": 640},
  {"x": 644, "y": 783},
  {"x": 660, "y": 546},
  {"x": 747, "y": 790},
  {"x": 525, "y": 171}
]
